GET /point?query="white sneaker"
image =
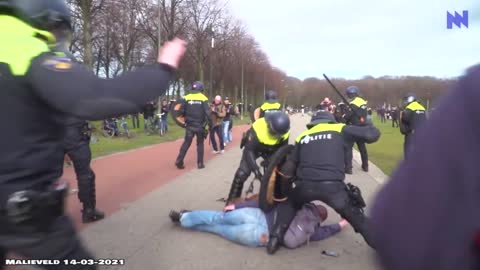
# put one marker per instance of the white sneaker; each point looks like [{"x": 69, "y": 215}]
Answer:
[
  {"x": 223, "y": 151},
  {"x": 224, "y": 144},
  {"x": 215, "y": 152}
]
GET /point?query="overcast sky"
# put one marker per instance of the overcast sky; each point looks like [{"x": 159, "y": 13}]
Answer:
[{"x": 353, "y": 38}]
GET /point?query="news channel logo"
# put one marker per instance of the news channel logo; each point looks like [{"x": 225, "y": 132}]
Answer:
[{"x": 457, "y": 19}]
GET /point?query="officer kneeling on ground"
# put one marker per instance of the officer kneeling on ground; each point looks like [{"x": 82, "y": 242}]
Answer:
[
  {"x": 38, "y": 90},
  {"x": 411, "y": 119},
  {"x": 317, "y": 161},
  {"x": 264, "y": 137}
]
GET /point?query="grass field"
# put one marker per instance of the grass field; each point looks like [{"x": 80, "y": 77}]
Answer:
[
  {"x": 105, "y": 146},
  {"x": 388, "y": 151}
]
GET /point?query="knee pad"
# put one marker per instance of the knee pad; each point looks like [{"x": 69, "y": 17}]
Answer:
[{"x": 241, "y": 175}]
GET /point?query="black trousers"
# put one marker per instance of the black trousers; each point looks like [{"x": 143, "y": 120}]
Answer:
[
  {"x": 77, "y": 147},
  {"x": 362, "y": 148},
  {"x": 407, "y": 145},
  {"x": 61, "y": 242},
  {"x": 219, "y": 131},
  {"x": 241, "y": 175},
  {"x": 189, "y": 134},
  {"x": 332, "y": 193},
  {"x": 394, "y": 122},
  {"x": 135, "y": 121}
]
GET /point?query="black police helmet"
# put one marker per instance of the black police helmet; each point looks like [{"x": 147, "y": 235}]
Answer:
[
  {"x": 270, "y": 95},
  {"x": 321, "y": 116},
  {"x": 197, "y": 86},
  {"x": 278, "y": 123},
  {"x": 41, "y": 14},
  {"x": 352, "y": 91},
  {"x": 409, "y": 98}
]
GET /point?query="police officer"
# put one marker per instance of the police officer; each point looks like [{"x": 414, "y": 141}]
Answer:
[
  {"x": 270, "y": 105},
  {"x": 77, "y": 145},
  {"x": 412, "y": 117},
  {"x": 196, "y": 110},
  {"x": 38, "y": 89},
  {"x": 266, "y": 135},
  {"x": 317, "y": 161},
  {"x": 358, "y": 117}
]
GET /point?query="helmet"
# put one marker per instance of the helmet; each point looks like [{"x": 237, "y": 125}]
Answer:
[
  {"x": 321, "y": 116},
  {"x": 197, "y": 86},
  {"x": 352, "y": 91},
  {"x": 270, "y": 95},
  {"x": 278, "y": 123},
  {"x": 41, "y": 14},
  {"x": 409, "y": 98}
]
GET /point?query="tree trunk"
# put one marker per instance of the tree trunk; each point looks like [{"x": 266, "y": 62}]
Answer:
[{"x": 86, "y": 6}]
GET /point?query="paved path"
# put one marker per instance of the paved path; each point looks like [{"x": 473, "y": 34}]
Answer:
[{"x": 140, "y": 187}]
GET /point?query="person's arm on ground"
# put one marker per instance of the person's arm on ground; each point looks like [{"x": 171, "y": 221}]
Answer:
[
  {"x": 323, "y": 232},
  {"x": 368, "y": 133},
  {"x": 70, "y": 88}
]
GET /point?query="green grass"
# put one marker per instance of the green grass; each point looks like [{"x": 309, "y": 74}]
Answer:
[
  {"x": 105, "y": 146},
  {"x": 388, "y": 151}
]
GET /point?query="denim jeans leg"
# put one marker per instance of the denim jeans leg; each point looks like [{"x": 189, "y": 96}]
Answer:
[
  {"x": 246, "y": 226},
  {"x": 225, "y": 132}
]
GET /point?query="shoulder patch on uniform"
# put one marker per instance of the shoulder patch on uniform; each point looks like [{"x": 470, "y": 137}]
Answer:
[{"x": 58, "y": 63}]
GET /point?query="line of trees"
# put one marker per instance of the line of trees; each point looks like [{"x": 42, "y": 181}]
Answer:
[{"x": 115, "y": 36}]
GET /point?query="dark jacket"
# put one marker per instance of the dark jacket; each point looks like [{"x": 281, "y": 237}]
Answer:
[
  {"x": 329, "y": 140},
  {"x": 38, "y": 90},
  {"x": 196, "y": 110},
  {"x": 306, "y": 226},
  {"x": 413, "y": 116},
  {"x": 427, "y": 214},
  {"x": 259, "y": 142},
  {"x": 358, "y": 111}
]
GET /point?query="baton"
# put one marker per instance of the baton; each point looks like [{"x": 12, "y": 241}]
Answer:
[{"x": 343, "y": 98}]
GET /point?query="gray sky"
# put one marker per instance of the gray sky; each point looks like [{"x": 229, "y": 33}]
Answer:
[{"x": 353, "y": 38}]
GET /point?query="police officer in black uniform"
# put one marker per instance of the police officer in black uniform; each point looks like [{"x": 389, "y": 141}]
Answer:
[
  {"x": 77, "y": 147},
  {"x": 270, "y": 105},
  {"x": 317, "y": 161},
  {"x": 266, "y": 135},
  {"x": 196, "y": 110},
  {"x": 358, "y": 117},
  {"x": 77, "y": 142},
  {"x": 38, "y": 90},
  {"x": 411, "y": 118}
]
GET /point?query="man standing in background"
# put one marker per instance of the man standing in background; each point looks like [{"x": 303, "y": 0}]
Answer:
[
  {"x": 217, "y": 114},
  {"x": 227, "y": 121}
]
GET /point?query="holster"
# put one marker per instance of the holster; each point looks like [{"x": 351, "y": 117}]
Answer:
[
  {"x": 86, "y": 131},
  {"x": 355, "y": 196},
  {"x": 34, "y": 210}
]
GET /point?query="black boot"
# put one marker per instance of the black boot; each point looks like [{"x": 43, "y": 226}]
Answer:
[
  {"x": 276, "y": 238},
  {"x": 91, "y": 215},
  {"x": 235, "y": 190},
  {"x": 179, "y": 165},
  {"x": 175, "y": 216},
  {"x": 348, "y": 171},
  {"x": 365, "y": 168},
  {"x": 201, "y": 165}
]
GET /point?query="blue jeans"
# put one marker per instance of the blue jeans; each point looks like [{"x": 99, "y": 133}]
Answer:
[
  {"x": 246, "y": 226},
  {"x": 227, "y": 135},
  {"x": 163, "y": 124}
]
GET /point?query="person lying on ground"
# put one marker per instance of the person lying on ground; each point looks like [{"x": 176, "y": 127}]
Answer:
[{"x": 245, "y": 223}]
